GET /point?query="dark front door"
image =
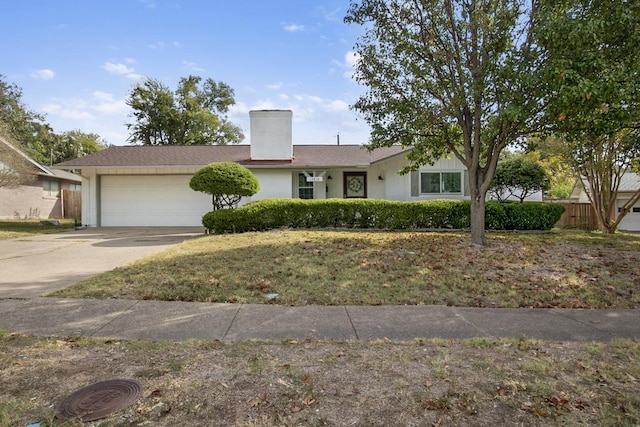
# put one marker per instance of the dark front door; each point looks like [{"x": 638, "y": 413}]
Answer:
[{"x": 355, "y": 185}]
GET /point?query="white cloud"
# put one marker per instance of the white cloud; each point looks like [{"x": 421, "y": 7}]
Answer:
[
  {"x": 151, "y": 4},
  {"x": 275, "y": 86},
  {"x": 114, "y": 107},
  {"x": 191, "y": 66},
  {"x": 157, "y": 45},
  {"x": 103, "y": 96},
  {"x": 351, "y": 58},
  {"x": 265, "y": 105},
  {"x": 293, "y": 28},
  {"x": 334, "y": 15},
  {"x": 118, "y": 69},
  {"x": 43, "y": 74},
  {"x": 239, "y": 109},
  {"x": 108, "y": 104},
  {"x": 338, "y": 105},
  {"x": 350, "y": 62},
  {"x": 67, "y": 112}
]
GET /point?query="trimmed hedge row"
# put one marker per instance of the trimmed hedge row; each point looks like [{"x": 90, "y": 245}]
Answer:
[{"x": 269, "y": 214}]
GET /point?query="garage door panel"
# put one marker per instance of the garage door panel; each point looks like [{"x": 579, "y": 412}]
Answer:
[
  {"x": 631, "y": 221},
  {"x": 151, "y": 200}
]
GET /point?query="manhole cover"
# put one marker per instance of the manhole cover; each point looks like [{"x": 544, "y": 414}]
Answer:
[{"x": 100, "y": 399}]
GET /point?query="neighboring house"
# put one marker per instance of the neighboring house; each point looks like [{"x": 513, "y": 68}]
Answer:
[
  {"x": 149, "y": 185},
  {"x": 39, "y": 198},
  {"x": 629, "y": 185}
]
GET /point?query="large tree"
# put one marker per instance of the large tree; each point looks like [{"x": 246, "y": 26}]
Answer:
[
  {"x": 194, "y": 115},
  {"x": 593, "y": 93},
  {"x": 448, "y": 77},
  {"x": 32, "y": 134},
  {"x": 25, "y": 127},
  {"x": 75, "y": 143}
]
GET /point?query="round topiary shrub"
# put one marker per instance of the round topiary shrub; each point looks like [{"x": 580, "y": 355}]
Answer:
[{"x": 227, "y": 182}]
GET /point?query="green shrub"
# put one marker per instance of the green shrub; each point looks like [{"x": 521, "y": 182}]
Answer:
[
  {"x": 512, "y": 215},
  {"x": 379, "y": 214},
  {"x": 227, "y": 182}
]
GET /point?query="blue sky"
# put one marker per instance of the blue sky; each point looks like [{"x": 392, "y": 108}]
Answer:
[{"x": 76, "y": 60}]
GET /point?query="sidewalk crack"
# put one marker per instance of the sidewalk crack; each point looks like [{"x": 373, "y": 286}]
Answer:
[
  {"x": 589, "y": 325},
  {"x": 224, "y": 336},
  {"x": 114, "y": 318},
  {"x": 353, "y": 327}
]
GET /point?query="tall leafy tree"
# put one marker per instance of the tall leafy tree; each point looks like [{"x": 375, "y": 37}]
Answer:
[
  {"x": 448, "y": 77},
  {"x": 194, "y": 115},
  {"x": 27, "y": 128},
  {"x": 593, "y": 93},
  {"x": 32, "y": 134},
  {"x": 14, "y": 115},
  {"x": 75, "y": 143}
]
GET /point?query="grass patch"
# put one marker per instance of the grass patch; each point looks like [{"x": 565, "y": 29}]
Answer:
[
  {"x": 312, "y": 267},
  {"x": 309, "y": 382},
  {"x": 11, "y": 229}
]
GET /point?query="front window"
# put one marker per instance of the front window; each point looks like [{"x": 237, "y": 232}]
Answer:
[
  {"x": 50, "y": 189},
  {"x": 441, "y": 182},
  {"x": 305, "y": 188}
]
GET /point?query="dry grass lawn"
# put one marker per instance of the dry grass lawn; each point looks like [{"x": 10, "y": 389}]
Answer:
[
  {"x": 475, "y": 382},
  {"x": 558, "y": 269}
]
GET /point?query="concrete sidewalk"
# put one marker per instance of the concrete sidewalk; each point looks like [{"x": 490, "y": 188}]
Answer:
[{"x": 176, "y": 321}]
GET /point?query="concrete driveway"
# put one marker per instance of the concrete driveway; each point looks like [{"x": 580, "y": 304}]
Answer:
[{"x": 36, "y": 265}]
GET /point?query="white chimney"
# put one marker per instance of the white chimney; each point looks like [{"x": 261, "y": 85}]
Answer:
[{"x": 271, "y": 134}]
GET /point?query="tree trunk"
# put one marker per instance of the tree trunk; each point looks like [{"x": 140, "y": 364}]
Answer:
[
  {"x": 478, "y": 202},
  {"x": 477, "y": 220}
]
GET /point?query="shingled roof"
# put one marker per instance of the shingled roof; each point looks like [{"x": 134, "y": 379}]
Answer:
[
  {"x": 41, "y": 169},
  {"x": 304, "y": 156}
]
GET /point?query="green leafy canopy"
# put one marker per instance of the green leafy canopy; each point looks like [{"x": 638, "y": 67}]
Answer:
[
  {"x": 194, "y": 115},
  {"x": 448, "y": 77},
  {"x": 227, "y": 182},
  {"x": 519, "y": 177}
]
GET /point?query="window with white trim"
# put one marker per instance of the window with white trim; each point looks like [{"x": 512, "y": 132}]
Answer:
[
  {"x": 50, "y": 189},
  {"x": 305, "y": 188},
  {"x": 441, "y": 183}
]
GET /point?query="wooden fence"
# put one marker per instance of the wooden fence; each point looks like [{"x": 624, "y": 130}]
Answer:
[
  {"x": 580, "y": 216},
  {"x": 72, "y": 204}
]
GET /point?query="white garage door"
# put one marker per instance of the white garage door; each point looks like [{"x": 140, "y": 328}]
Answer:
[
  {"x": 631, "y": 221},
  {"x": 151, "y": 200}
]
